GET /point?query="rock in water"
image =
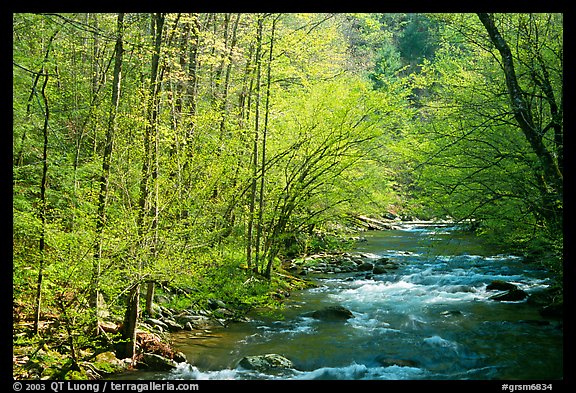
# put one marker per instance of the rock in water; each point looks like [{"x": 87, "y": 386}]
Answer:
[
  {"x": 500, "y": 285},
  {"x": 332, "y": 313},
  {"x": 388, "y": 361},
  {"x": 265, "y": 362},
  {"x": 513, "y": 295},
  {"x": 157, "y": 362}
]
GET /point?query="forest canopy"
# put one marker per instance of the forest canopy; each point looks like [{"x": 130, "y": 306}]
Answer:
[{"x": 203, "y": 148}]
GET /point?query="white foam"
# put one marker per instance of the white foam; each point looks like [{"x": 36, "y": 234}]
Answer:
[
  {"x": 439, "y": 342},
  {"x": 186, "y": 371},
  {"x": 362, "y": 372}
]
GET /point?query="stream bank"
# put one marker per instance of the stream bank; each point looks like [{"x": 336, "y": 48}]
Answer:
[{"x": 417, "y": 303}]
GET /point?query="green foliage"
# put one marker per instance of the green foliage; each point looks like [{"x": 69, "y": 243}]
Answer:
[{"x": 365, "y": 113}]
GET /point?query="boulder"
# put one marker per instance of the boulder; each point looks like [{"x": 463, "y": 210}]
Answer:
[
  {"x": 365, "y": 266},
  {"x": 500, "y": 285},
  {"x": 451, "y": 313},
  {"x": 382, "y": 261},
  {"x": 108, "y": 363},
  {"x": 172, "y": 325},
  {"x": 332, "y": 313},
  {"x": 156, "y": 322},
  {"x": 157, "y": 362},
  {"x": 379, "y": 269},
  {"x": 512, "y": 295},
  {"x": 179, "y": 357},
  {"x": 388, "y": 361},
  {"x": 265, "y": 362}
]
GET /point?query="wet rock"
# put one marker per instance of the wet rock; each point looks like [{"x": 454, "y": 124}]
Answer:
[
  {"x": 500, "y": 285},
  {"x": 265, "y": 362},
  {"x": 156, "y": 362},
  {"x": 156, "y": 322},
  {"x": 388, "y": 361},
  {"x": 332, "y": 313},
  {"x": 365, "y": 266},
  {"x": 179, "y": 357},
  {"x": 379, "y": 269},
  {"x": 172, "y": 325},
  {"x": 513, "y": 295},
  {"x": 451, "y": 313}
]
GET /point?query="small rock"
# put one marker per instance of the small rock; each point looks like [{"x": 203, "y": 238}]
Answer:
[
  {"x": 172, "y": 325},
  {"x": 513, "y": 295},
  {"x": 265, "y": 362},
  {"x": 365, "y": 266},
  {"x": 500, "y": 285},
  {"x": 387, "y": 362},
  {"x": 156, "y": 322},
  {"x": 451, "y": 313},
  {"x": 157, "y": 362},
  {"x": 332, "y": 313},
  {"x": 179, "y": 357}
]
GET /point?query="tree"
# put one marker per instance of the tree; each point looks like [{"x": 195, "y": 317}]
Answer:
[
  {"x": 472, "y": 157},
  {"x": 149, "y": 174},
  {"x": 550, "y": 175},
  {"x": 106, "y": 161}
]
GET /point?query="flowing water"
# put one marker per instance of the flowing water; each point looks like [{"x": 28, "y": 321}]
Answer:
[{"x": 430, "y": 319}]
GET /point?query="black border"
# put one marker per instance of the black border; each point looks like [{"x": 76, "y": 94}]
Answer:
[{"x": 317, "y": 6}]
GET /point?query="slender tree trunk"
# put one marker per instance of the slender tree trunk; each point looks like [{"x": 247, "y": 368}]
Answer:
[
  {"x": 150, "y": 159},
  {"x": 43, "y": 185},
  {"x": 19, "y": 159},
  {"x": 268, "y": 271},
  {"x": 127, "y": 349},
  {"x": 106, "y": 161},
  {"x": 252, "y": 206}
]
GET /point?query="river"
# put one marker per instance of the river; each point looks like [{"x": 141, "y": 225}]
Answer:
[{"x": 431, "y": 319}]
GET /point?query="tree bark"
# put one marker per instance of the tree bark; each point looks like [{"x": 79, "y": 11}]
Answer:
[
  {"x": 43, "y": 186},
  {"x": 268, "y": 270},
  {"x": 106, "y": 162},
  {"x": 252, "y": 243},
  {"x": 127, "y": 348},
  {"x": 150, "y": 160}
]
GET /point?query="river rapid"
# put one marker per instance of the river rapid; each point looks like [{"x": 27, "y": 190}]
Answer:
[{"x": 430, "y": 319}]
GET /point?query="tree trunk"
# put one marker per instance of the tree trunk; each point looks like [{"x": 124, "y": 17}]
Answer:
[
  {"x": 127, "y": 348},
  {"x": 43, "y": 184},
  {"x": 251, "y": 243},
  {"x": 106, "y": 161},
  {"x": 263, "y": 164},
  {"x": 150, "y": 159}
]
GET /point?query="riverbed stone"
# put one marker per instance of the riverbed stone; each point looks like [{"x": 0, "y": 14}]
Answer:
[
  {"x": 500, "y": 285},
  {"x": 513, "y": 295},
  {"x": 156, "y": 362},
  {"x": 265, "y": 362},
  {"x": 386, "y": 361},
  {"x": 157, "y": 323},
  {"x": 173, "y": 326},
  {"x": 332, "y": 313},
  {"x": 365, "y": 266}
]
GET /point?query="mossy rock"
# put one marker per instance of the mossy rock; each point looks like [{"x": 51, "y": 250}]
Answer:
[{"x": 265, "y": 362}]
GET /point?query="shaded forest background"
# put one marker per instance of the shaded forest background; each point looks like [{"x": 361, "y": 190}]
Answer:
[{"x": 202, "y": 150}]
